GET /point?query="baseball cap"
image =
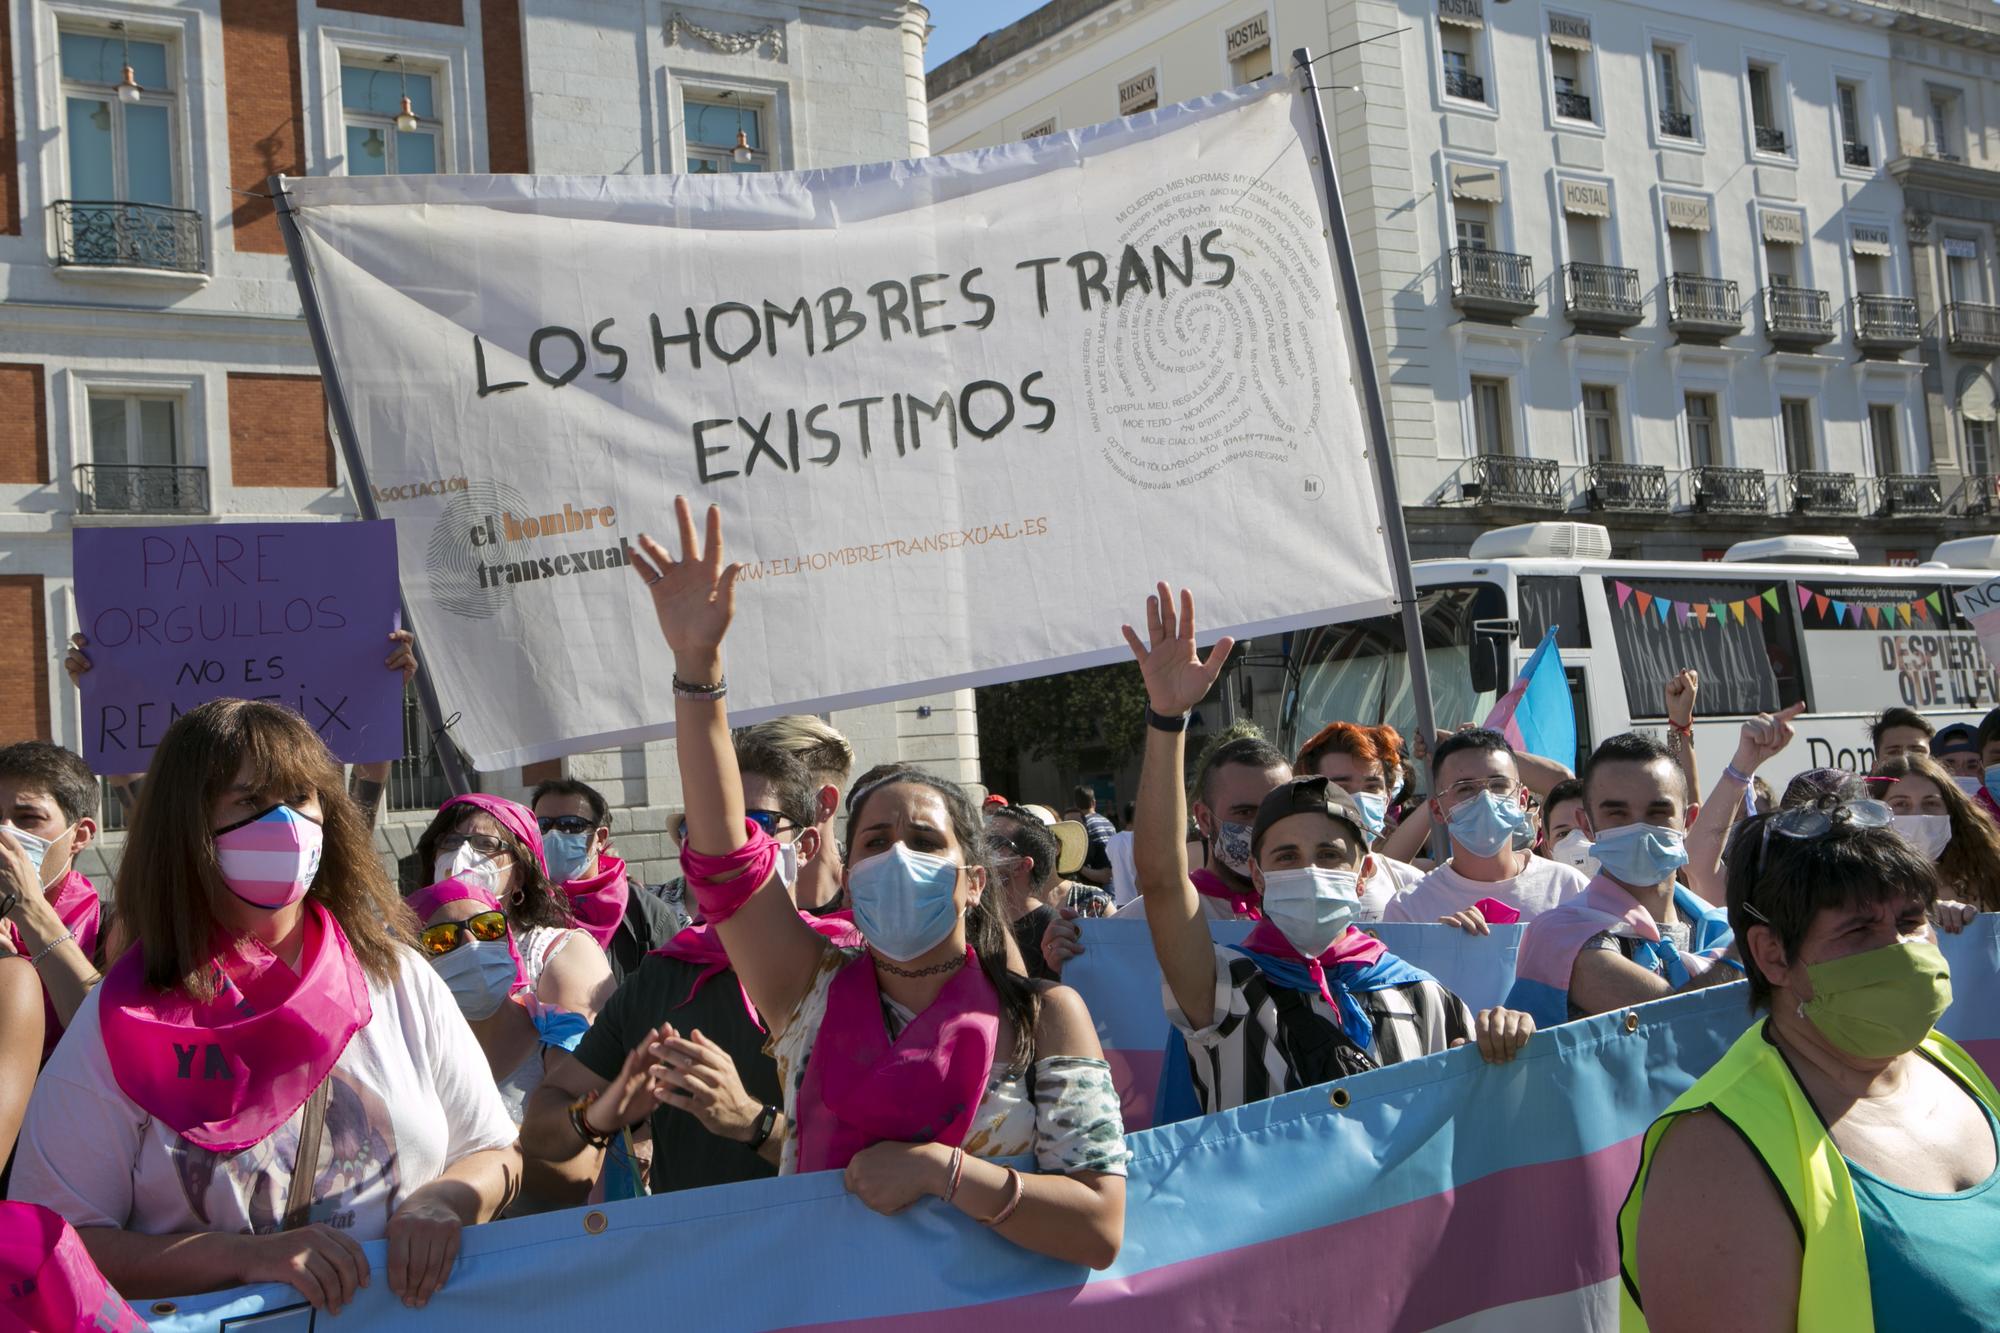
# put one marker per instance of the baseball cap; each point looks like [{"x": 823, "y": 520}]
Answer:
[
  {"x": 1958, "y": 738},
  {"x": 1304, "y": 796}
]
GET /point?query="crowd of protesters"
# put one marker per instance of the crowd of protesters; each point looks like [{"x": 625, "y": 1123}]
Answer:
[{"x": 261, "y": 1055}]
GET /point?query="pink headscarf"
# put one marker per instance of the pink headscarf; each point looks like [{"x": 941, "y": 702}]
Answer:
[
  {"x": 516, "y": 818},
  {"x": 425, "y": 902}
]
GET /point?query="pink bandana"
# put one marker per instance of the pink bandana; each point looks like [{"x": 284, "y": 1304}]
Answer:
[
  {"x": 1245, "y": 904},
  {"x": 425, "y": 902},
  {"x": 75, "y": 901},
  {"x": 720, "y": 899},
  {"x": 516, "y": 818},
  {"x": 925, "y": 1087},
  {"x": 51, "y": 1284},
  {"x": 1352, "y": 946},
  {"x": 701, "y": 946},
  {"x": 598, "y": 903},
  {"x": 225, "y": 1073}
]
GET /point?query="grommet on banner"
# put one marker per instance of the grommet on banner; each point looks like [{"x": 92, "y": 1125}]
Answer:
[
  {"x": 594, "y": 1222},
  {"x": 1631, "y": 1020},
  {"x": 164, "y": 1308},
  {"x": 1339, "y": 1098}
]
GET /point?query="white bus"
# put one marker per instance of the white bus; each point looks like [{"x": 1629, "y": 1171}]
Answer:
[{"x": 1775, "y": 622}]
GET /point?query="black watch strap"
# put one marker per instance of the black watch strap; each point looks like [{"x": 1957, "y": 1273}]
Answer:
[
  {"x": 760, "y": 1133},
  {"x": 1163, "y": 722}
]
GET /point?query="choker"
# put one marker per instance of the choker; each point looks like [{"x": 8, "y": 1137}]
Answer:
[{"x": 934, "y": 970}]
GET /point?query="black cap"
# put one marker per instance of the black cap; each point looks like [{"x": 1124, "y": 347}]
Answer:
[
  {"x": 1958, "y": 738},
  {"x": 1306, "y": 796}
]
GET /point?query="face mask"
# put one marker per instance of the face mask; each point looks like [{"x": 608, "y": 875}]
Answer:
[
  {"x": 1232, "y": 847},
  {"x": 788, "y": 865},
  {"x": 1486, "y": 823},
  {"x": 269, "y": 860},
  {"x": 1929, "y": 834},
  {"x": 903, "y": 901},
  {"x": 1879, "y": 1004},
  {"x": 1970, "y": 786},
  {"x": 1374, "y": 812},
  {"x": 1640, "y": 854},
  {"x": 471, "y": 865},
  {"x": 1396, "y": 787},
  {"x": 1991, "y": 782},
  {"x": 566, "y": 854},
  {"x": 1312, "y": 905},
  {"x": 1574, "y": 851},
  {"x": 37, "y": 849},
  {"x": 480, "y": 974}
]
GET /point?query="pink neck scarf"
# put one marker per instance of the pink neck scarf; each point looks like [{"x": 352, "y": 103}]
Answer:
[
  {"x": 226, "y": 1072},
  {"x": 720, "y": 899},
  {"x": 425, "y": 902},
  {"x": 701, "y": 946},
  {"x": 598, "y": 903},
  {"x": 925, "y": 1087},
  {"x": 1352, "y": 946},
  {"x": 516, "y": 818},
  {"x": 75, "y": 900},
  {"x": 52, "y": 1285},
  {"x": 1244, "y": 903}
]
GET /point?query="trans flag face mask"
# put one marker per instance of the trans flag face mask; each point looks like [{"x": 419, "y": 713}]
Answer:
[{"x": 270, "y": 859}]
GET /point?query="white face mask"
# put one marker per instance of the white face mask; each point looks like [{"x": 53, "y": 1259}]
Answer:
[
  {"x": 1312, "y": 905},
  {"x": 36, "y": 849},
  {"x": 788, "y": 865},
  {"x": 1929, "y": 834},
  {"x": 472, "y": 866},
  {"x": 1574, "y": 850}
]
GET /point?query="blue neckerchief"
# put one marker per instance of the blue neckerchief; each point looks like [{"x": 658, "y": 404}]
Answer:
[{"x": 1344, "y": 982}]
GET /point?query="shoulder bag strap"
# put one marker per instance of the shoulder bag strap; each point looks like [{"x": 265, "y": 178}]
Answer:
[{"x": 305, "y": 1170}]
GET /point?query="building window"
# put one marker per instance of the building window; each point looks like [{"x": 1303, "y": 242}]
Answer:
[
  {"x": 1458, "y": 49},
  {"x": 1684, "y": 252},
  {"x": 119, "y": 150},
  {"x": 1767, "y": 124},
  {"x": 1676, "y": 101},
  {"x": 1779, "y": 264},
  {"x": 1868, "y": 275},
  {"x": 1585, "y": 239},
  {"x": 1704, "y": 445},
  {"x": 1963, "y": 271},
  {"x": 1600, "y": 423},
  {"x": 1492, "y": 422},
  {"x": 1796, "y": 424},
  {"x": 1947, "y": 139},
  {"x": 1979, "y": 448},
  {"x": 1473, "y": 223},
  {"x": 134, "y": 430},
  {"x": 726, "y": 134},
  {"x": 1569, "y": 67},
  {"x": 1882, "y": 439},
  {"x": 1853, "y": 139},
  {"x": 1248, "y": 48},
  {"x": 382, "y": 138}
]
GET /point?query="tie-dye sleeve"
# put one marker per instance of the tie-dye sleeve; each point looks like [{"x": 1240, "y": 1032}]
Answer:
[{"x": 1078, "y": 1124}]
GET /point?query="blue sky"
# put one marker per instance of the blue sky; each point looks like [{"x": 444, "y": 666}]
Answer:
[{"x": 960, "y": 23}]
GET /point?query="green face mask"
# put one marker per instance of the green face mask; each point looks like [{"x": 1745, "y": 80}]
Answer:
[{"x": 1881, "y": 1003}]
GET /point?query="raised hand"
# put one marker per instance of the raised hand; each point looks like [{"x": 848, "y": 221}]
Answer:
[
  {"x": 403, "y": 657},
  {"x": 1681, "y": 691},
  {"x": 695, "y": 595},
  {"x": 75, "y": 660},
  {"x": 1176, "y": 676},
  {"x": 1764, "y": 736}
]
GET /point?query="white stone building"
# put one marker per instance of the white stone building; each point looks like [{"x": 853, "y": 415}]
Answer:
[
  {"x": 1640, "y": 258},
  {"x": 154, "y": 367}
]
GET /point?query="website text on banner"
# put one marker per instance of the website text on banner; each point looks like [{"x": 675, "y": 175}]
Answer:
[
  {"x": 1232, "y": 1220},
  {"x": 297, "y": 613},
  {"x": 926, "y": 395}
]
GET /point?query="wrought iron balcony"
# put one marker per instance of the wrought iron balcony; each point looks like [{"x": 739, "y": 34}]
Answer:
[
  {"x": 1797, "y": 318},
  {"x": 1729, "y": 490},
  {"x": 1459, "y": 83},
  {"x": 1908, "y": 494},
  {"x": 1703, "y": 309},
  {"x": 1855, "y": 154},
  {"x": 1529, "y": 483},
  {"x": 1631, "y": 488},
  {"x": 1971, "y": 329},
  {"x": 1600, "y": 297},
  {"x": 1677, "y": 124},
  {"x": 105, "y": 234},
  {"x": 121, "y": 488},
  {"x": 1978, "y": 494},
  {"x": 1825, "y": 493},
  {"x": 1770, "y": 140},
  {"x": 1573, "y": 106},
  {"x": 1885, "y": 325},
  {"x": 1492, "y": 284}
]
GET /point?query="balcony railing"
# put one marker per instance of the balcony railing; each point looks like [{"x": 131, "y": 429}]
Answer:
[
  {"x": 1703, "y": 309},
  {"x": 1677, "y": 124},
  {"x": 1471, "y": 87},
  {"x": 1978, "y": 494},
  {"x": 1770, "y": 140},
  {"x": 1598, "y": 296},
  {"x": 1496, "y": 479},
  {"x": 1729, "y": 490},
  {"x": 1573, "y": 106},
  {"x": 119, "y": 488},
  {"x": 1632, "y": 488},
  {"x": 1905, "y": 494},
  {"x": 1825, "y": 493},
  {"x": 1855, "y": 154},
  {"x": 1492, "y": 284},
  {"x": 1885, "y": 324},
  {"x": 106, "y": 234},
  {"x": 1971, "y": 329},
  {"x": 1798, "y": 317}
]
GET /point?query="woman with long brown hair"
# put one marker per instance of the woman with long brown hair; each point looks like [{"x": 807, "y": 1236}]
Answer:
[
  {"x": 1935, "y": 814},
  {"x": 270, "y": 1075}
]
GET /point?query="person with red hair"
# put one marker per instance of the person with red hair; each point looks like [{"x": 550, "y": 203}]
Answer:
[{"x": 1364, "y": 763}]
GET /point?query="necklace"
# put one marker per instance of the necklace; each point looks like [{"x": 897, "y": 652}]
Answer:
[{"x": 934, "y": 970}]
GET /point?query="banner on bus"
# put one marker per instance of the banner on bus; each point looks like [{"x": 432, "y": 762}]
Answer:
[{"x": 960, "y": 413}]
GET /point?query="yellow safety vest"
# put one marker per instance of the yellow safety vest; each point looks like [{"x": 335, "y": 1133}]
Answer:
[{"x": 1753, "y": 1088}]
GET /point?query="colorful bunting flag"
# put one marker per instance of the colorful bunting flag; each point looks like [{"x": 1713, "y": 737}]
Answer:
[
  {"x": 1736, "y": 609},
  {"x": 1757, "y": 607},
  {"x": 1664, "y": 607},
  {"x": 1625, "y": 593},
  {"x": 1821, "y": 602},
  {"x": 1936, "y": 605},
  {"x": 1805, "y": 595},
  {"x": 1874, "y": 617},
  {"x": 1771, "y": 596},
  {"x": 1645, "y": 600},
  {"x": 1839, "y": 609}
]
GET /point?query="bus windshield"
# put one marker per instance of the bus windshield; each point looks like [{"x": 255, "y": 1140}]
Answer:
[{"x": 1359, "y": 671}]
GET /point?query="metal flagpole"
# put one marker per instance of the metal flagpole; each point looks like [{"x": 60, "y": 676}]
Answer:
[
  {"x": 357, "y": 468},
  {"x": 1383, "y": 460}
]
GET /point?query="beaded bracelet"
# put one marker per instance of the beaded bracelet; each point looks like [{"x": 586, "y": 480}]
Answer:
[
  {"x": 1018, "y": 1188},
  {"x": 689, "y": 690},
  {"x": 50, "y": 947}
]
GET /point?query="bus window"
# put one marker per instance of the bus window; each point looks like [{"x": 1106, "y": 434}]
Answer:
[
  {"x": 1876, "y": 644},
  {"x": 1743, "y": 637},
  {"x": 1547, "y": 601}
]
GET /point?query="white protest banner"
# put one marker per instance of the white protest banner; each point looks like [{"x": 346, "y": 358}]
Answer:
[
  {"x": 1980, "y": 605},
  {"x": 960, "y": 413}
]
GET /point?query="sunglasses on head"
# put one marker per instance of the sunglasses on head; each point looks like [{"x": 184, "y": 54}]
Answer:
[
  {"x": 565, "y": 824},
  {"x": 441, "y": 939},
  {"x": 1814, "y": 821}
]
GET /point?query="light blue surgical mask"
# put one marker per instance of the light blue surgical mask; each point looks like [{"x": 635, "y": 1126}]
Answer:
[
  {"x": 903, "y": 901},
  {"x": 1374, "y": 812},
  {"x": 1640, "y": 854},
  {"x": 480, "y": 974},
  {"x": 1993, "y": 782},
  {"x": 1486, "y": 823},
  {"x": 1312, "y": 905},
  {"x": 565, "y": 853}
]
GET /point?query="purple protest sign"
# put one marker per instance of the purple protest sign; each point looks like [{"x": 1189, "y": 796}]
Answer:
[{"x": 297, "y": 613}]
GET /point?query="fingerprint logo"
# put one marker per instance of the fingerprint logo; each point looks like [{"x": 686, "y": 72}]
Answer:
[
  {"x": 454, "y": 562},
  {"x": 1211, "y": 376}
]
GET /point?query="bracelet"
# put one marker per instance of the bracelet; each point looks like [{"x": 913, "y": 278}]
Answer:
[
  {"x": 957, "y": 1170},
  {"x": 760, "y": 1132},
  {"x": 1017, "y": 1187},
  {"x": 687, "y": 690},
  {"x": 1164, "y": 722},
  {"x": 50, "y": 947},
  {"x": 1730, "y": 770},
  {"x": 1687, "y": 730},
  {"x": 582, "y": 1127}
]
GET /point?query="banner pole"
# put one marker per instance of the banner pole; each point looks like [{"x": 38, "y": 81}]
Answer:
[
  {"x": 1379, "y": 454},
  {"x": 357, "y": 469}
]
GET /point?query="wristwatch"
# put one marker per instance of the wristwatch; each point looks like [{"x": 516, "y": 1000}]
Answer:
[
  {"x": 760, "y": 1133},
  {"x": 1166, "y": 722}
]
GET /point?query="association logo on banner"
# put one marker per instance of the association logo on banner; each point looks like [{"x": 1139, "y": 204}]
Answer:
[{"x": 491, "y": 539}]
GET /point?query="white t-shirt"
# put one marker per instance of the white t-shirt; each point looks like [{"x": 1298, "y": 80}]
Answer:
[
  {"x": 411, "y": 1095},
  {"x": 538, "y": 946},
  {"x": 1541, "y": 885},
  {"x": 1390, "y": 880}
]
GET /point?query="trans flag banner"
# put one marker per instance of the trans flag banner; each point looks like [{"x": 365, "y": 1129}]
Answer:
[{"x": 1439, "y": 1194}]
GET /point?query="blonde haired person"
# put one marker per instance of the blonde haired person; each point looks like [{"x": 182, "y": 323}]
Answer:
[{"x": 829, "y": 759}]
